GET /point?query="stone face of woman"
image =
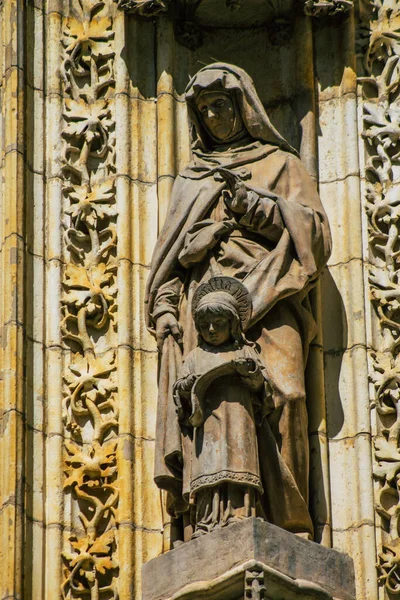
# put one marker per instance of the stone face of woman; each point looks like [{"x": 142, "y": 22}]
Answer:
[{"x": 218, "y": 114}]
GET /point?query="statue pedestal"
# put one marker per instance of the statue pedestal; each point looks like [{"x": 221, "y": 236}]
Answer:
[{"x": 250, "y": 560}]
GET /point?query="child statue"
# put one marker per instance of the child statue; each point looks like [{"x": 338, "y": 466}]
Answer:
[{"x": 223, "y": 394}]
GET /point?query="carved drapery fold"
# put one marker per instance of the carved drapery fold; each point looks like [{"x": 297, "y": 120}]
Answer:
[
  {"x": 89, "y": 301},
  {"x": 381, "y": 86}
]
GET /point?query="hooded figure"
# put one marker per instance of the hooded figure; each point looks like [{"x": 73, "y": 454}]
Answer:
[{"x": 245, "y": 207}]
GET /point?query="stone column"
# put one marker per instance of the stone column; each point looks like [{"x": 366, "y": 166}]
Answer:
[
  {"x": 139, "y": 512},
  {"x": 343, "y": 299},
  {"x": 54, "y": 260},
  {"x": 379, "y": 69},
  {"x": 13, "y": 413}
]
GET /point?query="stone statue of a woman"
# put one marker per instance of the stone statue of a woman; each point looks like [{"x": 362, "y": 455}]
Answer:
[{"x": 245, "y": 207}]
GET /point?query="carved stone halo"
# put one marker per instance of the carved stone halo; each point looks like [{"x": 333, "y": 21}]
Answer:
[{"x": 231, "y": 286}]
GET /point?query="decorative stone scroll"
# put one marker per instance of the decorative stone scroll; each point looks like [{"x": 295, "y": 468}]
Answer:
[
  {"x": 89, "y": 301},
  {"x": 381, "y": 87}
]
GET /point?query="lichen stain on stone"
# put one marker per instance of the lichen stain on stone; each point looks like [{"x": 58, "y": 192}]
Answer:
[
  {"x": 127, "y": 450},
  {"x": 3, "y": 337},
  {"x": 5, "y": 417},
  {"x": 14, "y": 301},
  {"x": 13, "y": 256},
  {"x": 350, "y": 443}
]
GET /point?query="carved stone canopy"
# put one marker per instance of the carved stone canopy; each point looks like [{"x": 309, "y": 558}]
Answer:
[{"x": 189, "y": 16}]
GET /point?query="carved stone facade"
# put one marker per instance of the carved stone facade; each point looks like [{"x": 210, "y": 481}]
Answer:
[{"x": 93, "y": 133}]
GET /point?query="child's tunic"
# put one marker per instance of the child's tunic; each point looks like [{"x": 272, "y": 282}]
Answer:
[{"x": 225, "y": 447}]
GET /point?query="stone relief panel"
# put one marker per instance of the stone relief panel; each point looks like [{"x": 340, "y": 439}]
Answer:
[
  {"x": 89, "y": 302},
  {"x": 381, "y": 87}
]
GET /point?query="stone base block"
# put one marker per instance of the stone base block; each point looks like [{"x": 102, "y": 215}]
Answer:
[{"x": 250, "y": 560}]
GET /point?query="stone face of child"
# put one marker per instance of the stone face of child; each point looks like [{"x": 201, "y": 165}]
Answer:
[{"x": 215, "y": 329}]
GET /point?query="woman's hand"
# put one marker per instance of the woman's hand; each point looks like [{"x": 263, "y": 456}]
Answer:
[
  {"x": 166, "y": 325},
  {"x": 236, "y": 195},
  {"x": 237, "y": 200}
]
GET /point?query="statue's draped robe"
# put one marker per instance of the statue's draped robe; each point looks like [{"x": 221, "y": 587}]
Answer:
[{"x": 277, "y": 249}]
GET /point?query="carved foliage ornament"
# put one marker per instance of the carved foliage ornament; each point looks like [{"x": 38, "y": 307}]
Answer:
[
  {"x": 89, "y": 301},
  {"x": 381, "y": 86}
]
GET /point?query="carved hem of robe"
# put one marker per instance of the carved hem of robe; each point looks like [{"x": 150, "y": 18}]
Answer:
[{"x": 210, "y": 480}]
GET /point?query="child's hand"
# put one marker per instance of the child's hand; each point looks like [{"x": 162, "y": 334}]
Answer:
[
  {"x": 185, "y": 385},
  {"x": 245, "y": 366}
]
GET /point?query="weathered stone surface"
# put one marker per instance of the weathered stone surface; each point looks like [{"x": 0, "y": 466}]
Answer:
[
  {"x": 213, "y": 566},
  {"x": 309, "y": 87}
]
